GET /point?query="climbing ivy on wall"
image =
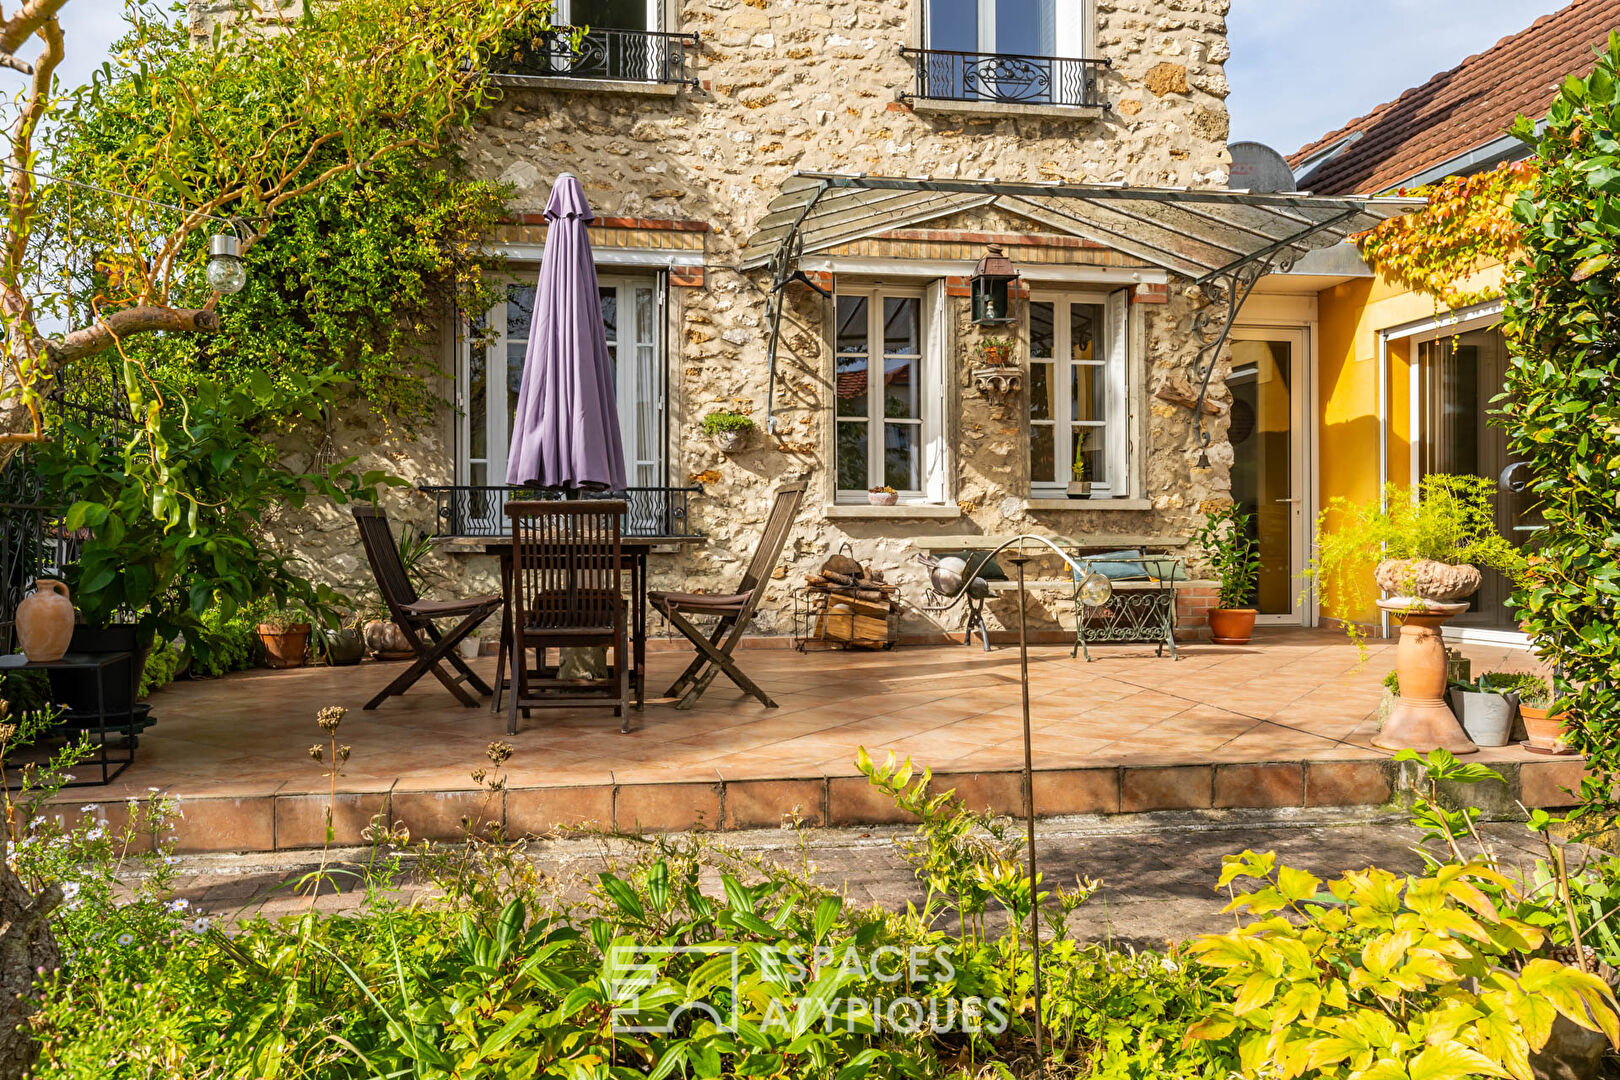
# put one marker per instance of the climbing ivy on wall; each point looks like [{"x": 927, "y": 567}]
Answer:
[
  {"x": 1562, "y": 409},
  {"x": 1468, "y": 224}
]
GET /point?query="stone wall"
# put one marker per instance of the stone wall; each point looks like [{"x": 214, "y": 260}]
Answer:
[{"x": 815, "y": 85}]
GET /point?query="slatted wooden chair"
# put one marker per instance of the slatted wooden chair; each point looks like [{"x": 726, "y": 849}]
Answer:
[
  {"x": 714, "y": 649},
  {"x": 415, "y": 616},
  {"x": 567, "y": 591}
]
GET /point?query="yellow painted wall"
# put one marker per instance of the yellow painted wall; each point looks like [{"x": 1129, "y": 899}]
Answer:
[{"x": 1350, "y": 317}]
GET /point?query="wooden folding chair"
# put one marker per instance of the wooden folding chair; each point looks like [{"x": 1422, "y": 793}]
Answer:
[
  {"x": 415, "y": 616},
  {"x": 567, "y": 591},
  {"x": 734, "y": 610}
]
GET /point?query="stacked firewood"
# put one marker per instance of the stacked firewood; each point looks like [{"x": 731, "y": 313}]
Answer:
[{"x": 855, "y": 602}]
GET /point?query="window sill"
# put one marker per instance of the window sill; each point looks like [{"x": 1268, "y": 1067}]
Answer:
[
  {"x": 589, "y": 86},
  {"x": 951, "y": 107},
  {"x": 1088, "y": 504},
  {"x": 903, "y": 510}
]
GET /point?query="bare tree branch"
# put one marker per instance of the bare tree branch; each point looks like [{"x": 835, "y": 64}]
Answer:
[{"x": 128, "y": 322}]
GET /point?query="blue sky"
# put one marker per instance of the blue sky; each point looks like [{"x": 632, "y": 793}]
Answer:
[{"x": 1299, "y": 68}]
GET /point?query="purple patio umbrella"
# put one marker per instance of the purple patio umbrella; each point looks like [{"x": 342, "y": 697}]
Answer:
[{"x": 566, "y": 430}]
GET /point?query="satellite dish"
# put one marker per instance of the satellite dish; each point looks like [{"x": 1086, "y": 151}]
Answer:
[{"x": 1258, "y": 168}]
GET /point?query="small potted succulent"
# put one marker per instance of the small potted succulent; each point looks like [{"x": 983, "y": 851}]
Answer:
[
  {"x": 1234, "y": 557},
  {"x": 1545, "y": 730},
  {"x": 1079, "y": 486},
  {"x": 1488, "y": 706},
  {"x": 728, "y": 430},
  {"x": 469, "y": 647},
  {"x": 882, "y": 496},
  {"x": 284, "y": 635}
]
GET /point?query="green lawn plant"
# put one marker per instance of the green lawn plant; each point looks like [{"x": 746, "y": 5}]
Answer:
[
  {"x": 1562, "y": 413},
  {"x": 1229, "y": 549}
]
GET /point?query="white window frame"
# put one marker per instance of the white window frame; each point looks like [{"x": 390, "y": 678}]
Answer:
[
  {"x": 933, "y": 453},
  {"x": 641, "y": 462},
  {"x": 563, "y": 14},
  {"x": 1075, "y": 24},
  {"x": 1113, "y": 338}
]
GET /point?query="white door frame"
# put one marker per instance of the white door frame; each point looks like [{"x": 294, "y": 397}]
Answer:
[{"x": 1302, "y": 462}]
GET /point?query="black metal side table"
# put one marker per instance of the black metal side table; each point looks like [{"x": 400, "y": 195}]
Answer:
[{"x": 96, "y": 666}]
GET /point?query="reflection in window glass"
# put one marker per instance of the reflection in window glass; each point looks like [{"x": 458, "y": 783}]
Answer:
[
  {"x": 852, "y": 389},
  {"x": 953, "y": 25},
  {"x": 901, "y": 331},
  {"x": 852, "y": 324},
  {"x": 900, "y": 397},
  {"x": 1083, "y": 321},
  {"x": 519, "y": 310},
  {"x": 1040, "y": 330},
  {"x": 852, "y": 455},
  {"x": 900, "y": 459},
  {"x": 478, "y": 404},
  {"x": 1086, "y": 393},
  {"x": 610, "y": 313},
  {"x": 1040, "y": 391},
  {"x": 1042, "y": 454}
]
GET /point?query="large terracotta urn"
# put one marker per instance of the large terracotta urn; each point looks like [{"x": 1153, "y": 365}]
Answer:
[
  {"x": 45, "y": 621},
  {"x": 1420, "y": 719}
]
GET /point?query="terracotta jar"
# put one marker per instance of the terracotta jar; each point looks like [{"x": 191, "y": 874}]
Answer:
[
  {"x": 45, "y": 621},
  {"x": 1232, "y": 626}
]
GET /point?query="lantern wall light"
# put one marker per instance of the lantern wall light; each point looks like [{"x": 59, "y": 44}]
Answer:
[{"x": 991, "y": 288}]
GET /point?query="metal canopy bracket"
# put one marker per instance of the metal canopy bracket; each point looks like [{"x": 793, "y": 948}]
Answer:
[{"x": 1223, "y": 241}]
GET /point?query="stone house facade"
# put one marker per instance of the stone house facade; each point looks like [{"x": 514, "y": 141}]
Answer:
[{"x": 682, "y": 142}]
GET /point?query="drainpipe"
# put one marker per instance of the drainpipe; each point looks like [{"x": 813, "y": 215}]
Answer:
[{"x": 1383, "y": 441}]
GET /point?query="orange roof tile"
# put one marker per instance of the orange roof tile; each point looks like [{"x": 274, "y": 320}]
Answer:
[{"x": 1466, "y": 107}]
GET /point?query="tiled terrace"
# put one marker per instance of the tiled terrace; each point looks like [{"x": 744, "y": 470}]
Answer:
[{"x": 1283, "y": 722}]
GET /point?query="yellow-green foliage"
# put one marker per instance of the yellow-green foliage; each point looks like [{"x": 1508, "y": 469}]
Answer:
[
  {"x": 1387, "y": 977},
  {"x": 1449, "y": 519}
]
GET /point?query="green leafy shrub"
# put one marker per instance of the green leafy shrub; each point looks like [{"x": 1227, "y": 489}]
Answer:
[
  {"x": 232, "y": 642},
  {"x": 1449, "y": 519},
  {"x": 163, "y": 660},
  {"x": 722, "y": 421},
  {"x": 1231, "y": 552},
  {"x": 1561, "y": 411}
]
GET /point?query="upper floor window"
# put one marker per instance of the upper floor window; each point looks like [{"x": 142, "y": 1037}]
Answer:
[
  {"x": 1077, "y": 394},
  {"x": 1028, "y": 52},
  {"x": 625, "y": 41}
]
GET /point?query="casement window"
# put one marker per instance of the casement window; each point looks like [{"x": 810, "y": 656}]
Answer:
[
  {"x": 623, "y": 41},
  {"x": 1078, "y": 400},
  {"x": 888, "y": 413},
  {"x": 488, "y": 378},
  {"x": 1024, "y": 27}
]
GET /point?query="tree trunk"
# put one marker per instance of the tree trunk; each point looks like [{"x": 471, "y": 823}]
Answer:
[{"x": 27, "y": 949}]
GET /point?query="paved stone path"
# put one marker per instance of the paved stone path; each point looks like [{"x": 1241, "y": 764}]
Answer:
[{"x": 1157, "y": 875}]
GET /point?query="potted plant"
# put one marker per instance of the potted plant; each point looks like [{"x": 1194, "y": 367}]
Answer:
[
  {"x": 882, "y": 496},
  {"x": 343, "y": 644},
  {"x": 1079, "y": 486},
  {"x": 284, "y": 635},
  {"x": 995, "y": 352},
  {"x": 729, "y": 430},
  {"x": 1234, "y": 558},
  {"x": 1423, "y": 549},
  {"x": 469, "y": 647},
  {"x": 382, "y": 635},
  {"x": 1544, "y": 729},
  {"x": 1487, "y": 707}
]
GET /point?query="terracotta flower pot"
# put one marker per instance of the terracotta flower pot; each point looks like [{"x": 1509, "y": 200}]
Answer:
[
  {"x": 1427, "y": 579},
  {"x": 45, "y": 621},
  {"x": 1232, "y": 626},
  {"x": 284, "y": 645},
  {"x": 1545, "y": 732}
]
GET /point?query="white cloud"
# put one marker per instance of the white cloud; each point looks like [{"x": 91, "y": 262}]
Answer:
[{"x": 1302, "y": 68}]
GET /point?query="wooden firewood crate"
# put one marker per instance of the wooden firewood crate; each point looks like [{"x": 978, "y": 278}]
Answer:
[{"x": 825, "y": 620}]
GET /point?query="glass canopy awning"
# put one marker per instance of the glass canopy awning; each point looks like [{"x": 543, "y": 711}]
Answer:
[
  {"x": 1197, "y": 233},
  {"x": 1223, "y": 241}
]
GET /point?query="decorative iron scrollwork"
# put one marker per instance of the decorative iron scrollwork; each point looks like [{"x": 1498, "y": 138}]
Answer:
[{"x": 1006, "y": 78}]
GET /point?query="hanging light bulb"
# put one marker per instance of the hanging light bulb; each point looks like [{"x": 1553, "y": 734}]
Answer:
[
  {"x": 226, "y": 272},
  {"x": 1096, "y": 590}
]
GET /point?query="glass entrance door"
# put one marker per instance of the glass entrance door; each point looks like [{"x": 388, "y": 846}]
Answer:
[
  {"x": 1460, "y": 374},
  {"x": 1268, "y": 380}
]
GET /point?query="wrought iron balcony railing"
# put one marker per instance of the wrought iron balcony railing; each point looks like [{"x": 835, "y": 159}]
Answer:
[
  {"x": 480, "y": 511},
  {"x": 602, "y": 53},
  {"x": 1006, "y": 78}
]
